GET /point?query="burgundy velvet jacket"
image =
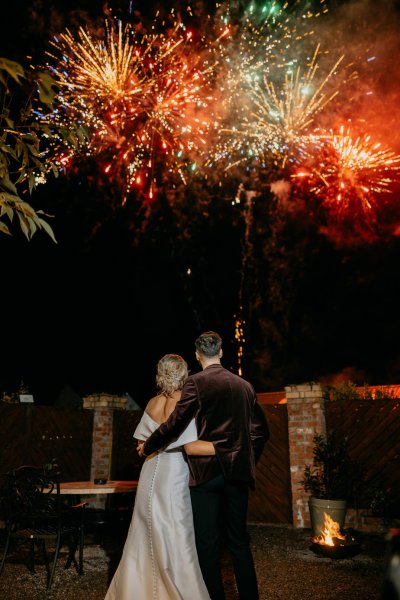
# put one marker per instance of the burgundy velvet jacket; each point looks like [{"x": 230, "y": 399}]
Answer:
[{"x": 228, "y": 415}]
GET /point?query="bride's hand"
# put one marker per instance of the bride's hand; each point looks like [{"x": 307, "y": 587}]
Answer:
[{"x": 140, "y": 448}]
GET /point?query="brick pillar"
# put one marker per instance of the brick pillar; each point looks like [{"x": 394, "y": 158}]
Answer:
[
  {"x": 306, "y": 417},
  {"x": 102, "y": 438}
]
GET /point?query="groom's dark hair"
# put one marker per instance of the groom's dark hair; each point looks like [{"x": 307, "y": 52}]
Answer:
[{"x": 208, "y": 343}]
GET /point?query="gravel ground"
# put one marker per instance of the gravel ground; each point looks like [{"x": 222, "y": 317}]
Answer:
[{"x": 286, "y": 566}]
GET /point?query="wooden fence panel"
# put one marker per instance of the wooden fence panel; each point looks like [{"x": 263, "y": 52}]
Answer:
[
  {"x": 125, "y": 462},
  {"x": 372, "y": 428},
  {"x": 32, "y": 434},
  {"x": 271, "y": 502},
  {"x": 13, "y": 436}
]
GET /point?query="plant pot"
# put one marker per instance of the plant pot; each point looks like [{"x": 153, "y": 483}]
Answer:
[{"x": 336, "y": 509}]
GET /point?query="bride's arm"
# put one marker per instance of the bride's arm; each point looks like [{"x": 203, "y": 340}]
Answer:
[{"x": 199, "y": 448}]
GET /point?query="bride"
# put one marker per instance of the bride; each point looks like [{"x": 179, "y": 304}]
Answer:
[{"x": 159, "y": 561}]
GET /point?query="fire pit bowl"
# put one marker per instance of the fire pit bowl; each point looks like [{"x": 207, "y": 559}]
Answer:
[
  {"x": 342, "y": 549},
  {"x": 335, "y": 543},
  {"x": 345, "y": 545}
]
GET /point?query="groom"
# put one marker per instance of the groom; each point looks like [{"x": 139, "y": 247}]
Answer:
[{"x": 228, "y": 415}]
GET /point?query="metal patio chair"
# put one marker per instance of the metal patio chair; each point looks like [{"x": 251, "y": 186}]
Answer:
[{"x": 35, "y": 515}]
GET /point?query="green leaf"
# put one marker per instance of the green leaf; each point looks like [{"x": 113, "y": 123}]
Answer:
[
  {"x": 47, "y": 229},
  {"x": 45, "y": 129},
  {"x": 31, "y": 182},
  {"x": 22, "y": 177},
  {"x": 83, "y": 134},
  {"x": 7, "y": 150},
  {"x": 8, "y": 185},
  {"x": 9, "y": 211},
  {"x": 46, "y": 91},
  {"x": 14, "y": 69},
  {"x": 4, "y": 228},
  {"x": 5, "y": 197},
  {"x": 68, "y": 136},
  {"x": 24, "y": 225},
  {"x": 26, "y": 208},
  {"x": 5, "y": 209},
  {"x": 32, "y": 225},
  {"x": 25, "y": 156},
  {"x": 28, "y": 138}
]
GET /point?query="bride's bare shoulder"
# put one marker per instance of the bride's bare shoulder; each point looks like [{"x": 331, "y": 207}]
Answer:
[
  {"x": 155, "y": 404},
  {"x": 160, "y": 407}
]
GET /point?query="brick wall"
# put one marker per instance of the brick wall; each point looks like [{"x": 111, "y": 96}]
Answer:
[
  {"x": 306, "y": 405},
  {"x": 102, "y": 438}
]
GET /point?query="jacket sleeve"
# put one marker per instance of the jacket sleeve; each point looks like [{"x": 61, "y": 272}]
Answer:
[
  {"x": 177, "y": 422},
  {"x": 259, "y": 432}
]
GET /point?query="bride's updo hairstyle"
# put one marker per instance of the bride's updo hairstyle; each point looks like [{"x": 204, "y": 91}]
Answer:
[{"x": 172, "y": 372}]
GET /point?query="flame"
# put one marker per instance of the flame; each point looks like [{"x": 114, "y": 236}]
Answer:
[{"x": 330, "y": 531}]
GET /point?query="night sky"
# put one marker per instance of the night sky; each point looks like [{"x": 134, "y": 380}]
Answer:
[{"x": 124, "y": 284}]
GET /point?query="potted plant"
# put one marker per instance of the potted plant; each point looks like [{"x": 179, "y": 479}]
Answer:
[{"x": 332, "y": 480}]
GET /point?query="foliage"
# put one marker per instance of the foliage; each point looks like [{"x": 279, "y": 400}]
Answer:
[
  {"x": 343, "y": 391},
  {"x": 381, "y": 500},
  {"x": 23, "y": 159},
  {"x": 347, "y": 390},
  {"x": 333, "y": 475}
]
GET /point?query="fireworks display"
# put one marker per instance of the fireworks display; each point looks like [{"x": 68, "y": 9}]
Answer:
[
  {"x": 347, "y": 170},
  {"x": 169, "y": 100},
  {"x": 264, "y": 114},
  {"x": 283, "y": 116},
  {"x": 262, "y": 41},
  {"x": 258, "y": 88},
  {"x": 280, "y": 118},
  {"x": 147, "y": 100}
]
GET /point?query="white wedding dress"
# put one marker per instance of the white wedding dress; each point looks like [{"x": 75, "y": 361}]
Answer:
[{"x": 159, "y": 561}]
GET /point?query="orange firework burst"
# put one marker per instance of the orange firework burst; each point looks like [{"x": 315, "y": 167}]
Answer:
[
  {"x": 146, "y": 99},
  {"x": 347, "y": 171}
]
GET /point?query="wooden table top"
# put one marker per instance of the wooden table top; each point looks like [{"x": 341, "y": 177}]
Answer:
[{"x": 89, "y": 487}]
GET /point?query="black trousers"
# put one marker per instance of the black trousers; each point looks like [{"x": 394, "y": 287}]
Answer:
[{"x": 221, "y": 505}]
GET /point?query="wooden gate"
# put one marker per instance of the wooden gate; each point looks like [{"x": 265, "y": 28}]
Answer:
[
  {"x": 372, "y": 428},
  {"x": 271, "y": 502}
]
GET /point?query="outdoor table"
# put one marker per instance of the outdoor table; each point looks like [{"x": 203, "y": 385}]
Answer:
[
  {"x": 96, "y": 514},
  {"x": 86, "y": 488},
  {"x": 89, "y": 487}
]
